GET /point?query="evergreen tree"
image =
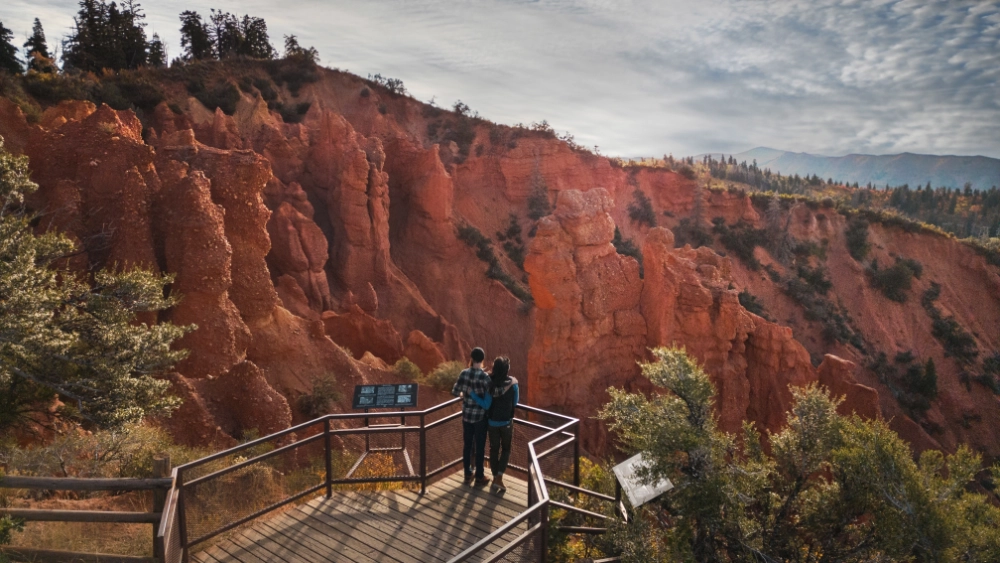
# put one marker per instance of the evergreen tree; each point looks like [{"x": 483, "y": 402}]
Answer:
[
  {"x": 157, "y": 52},
  {"x": 107, "y": 36},
  {"x": 195, "y": 39},
  {"x": 295, "y": 51},
  {"x": 233, "y": 36},
  {"x": 39, "y": 59},
  {"x": 71, "y": 335},
  {"x": 8, "y": 52},
  {"x": 829, "y": 488}
]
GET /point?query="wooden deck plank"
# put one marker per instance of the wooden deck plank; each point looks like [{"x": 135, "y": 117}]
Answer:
[
  {"x": 325, "y": 544},
  {"x": 425, "y": 546},
  {"x": 366, "y": 533},
  {"x": 397, "y": 526}
]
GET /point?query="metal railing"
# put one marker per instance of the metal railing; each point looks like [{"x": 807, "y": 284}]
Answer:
[{"x": 221, "y": 492}]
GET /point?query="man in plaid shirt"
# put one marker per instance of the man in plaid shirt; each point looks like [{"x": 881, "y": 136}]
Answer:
[{"x": 474, "y": 423}]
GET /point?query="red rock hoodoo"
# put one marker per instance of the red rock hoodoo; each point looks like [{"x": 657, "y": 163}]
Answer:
[{"x": 347, "y": 241}]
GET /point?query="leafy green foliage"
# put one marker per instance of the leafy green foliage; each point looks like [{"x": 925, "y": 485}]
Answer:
[
  {"x": 691, "y": 231},
  {"x": 392, "y": 85},
  {"x": 832, "y": 487},
  {"x": 627, "y": 247},
  {"x": 295, "y": 51},
  {"x": 538, "y": 200},
  {"x": 513, "y": 244},
  {"x": 913, "y": 384},
  {"x": 474, "y": 238},
  {"x": 856, "y": 236},
  {"x": 751, "y": 303},
  {"x": 224, "y": 96},
  {"x": 894, "y": 282},
  {"x": 640, "y": 210},
  {"x": 957, "y": 342},
  {"x": 62, "y": 333},
  {"x": 564, "y": 547},
  {"x": 322, "y": 398},
  {"x": 741, "y": 239},
  {"x": 444, "y": 376},
  {"x": 107, "y": 36},
  {"x": 8, "y": 52},
  {"x": 406, "y": 369},
  {"x": 121, "y": 91}
]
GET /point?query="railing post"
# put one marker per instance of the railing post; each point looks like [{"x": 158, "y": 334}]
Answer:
[
  {"x": 545, "y": 532},
  {"x": 181, "y": 514},
  {"x": 576, "y": 454},
  {"x": 423, "y": 455},
  {"x": 161, "y": 470},
  {"x": 329, "y": 461}
]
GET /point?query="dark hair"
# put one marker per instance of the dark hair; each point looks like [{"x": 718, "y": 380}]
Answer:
[
  {"x": 478, "y": 355},
  {"x": 501, "y": 367}
]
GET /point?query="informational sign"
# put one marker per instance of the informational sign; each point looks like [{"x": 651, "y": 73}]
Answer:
[
  {"x": 396, "y": 395},
  {"x": 638, "y": 491}
]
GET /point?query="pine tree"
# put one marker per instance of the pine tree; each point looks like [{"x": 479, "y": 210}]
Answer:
[
  {"x": 295, "y": 51},
  {"x": 37, "y": 54},
  {"x": 195, "y": 38},
  {"x": 8, "y": 52},
  {"x": 70, "y": 335},
  {"x": 107, "y": 36},
  {"x": 157, "y": 52}
]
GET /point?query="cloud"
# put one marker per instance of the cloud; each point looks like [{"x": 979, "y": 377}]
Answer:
[{"x": 650, "y": 77}]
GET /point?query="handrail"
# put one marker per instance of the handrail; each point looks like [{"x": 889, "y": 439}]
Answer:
[
  {"x": 566, "y": 431},
  {"x": 83, "y": 484}
]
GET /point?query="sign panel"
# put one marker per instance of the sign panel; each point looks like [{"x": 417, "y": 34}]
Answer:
[
  {"x": 388, "y": 396},
  {"x": 638, "y": 491}
]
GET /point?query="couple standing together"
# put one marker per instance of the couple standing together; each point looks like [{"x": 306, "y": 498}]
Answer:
[{"x": 487, "y": 409}]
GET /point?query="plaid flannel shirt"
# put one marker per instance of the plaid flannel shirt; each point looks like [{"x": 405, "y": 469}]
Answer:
[{"x": 472, "y": 380}]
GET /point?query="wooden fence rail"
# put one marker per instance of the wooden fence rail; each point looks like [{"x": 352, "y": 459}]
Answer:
[{"x": 160, "y": 484}]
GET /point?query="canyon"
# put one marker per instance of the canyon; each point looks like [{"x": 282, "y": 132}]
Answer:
[{"x": 335, "y": 245}]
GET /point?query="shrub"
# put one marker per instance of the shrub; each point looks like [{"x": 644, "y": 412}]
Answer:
[
  {"x": 444, "y": 376},
  {"x": 957, "y": 343},
  {"x": 392, "y": 85},
  {"x": 641, "y": 209},
  {"x": 687, "y": 172},
  {"x": 691, "y": 231},
  {"x": 293, "y": 72},
  {"x": 894, "y": 281},
  {"x": 751, "y": 303},
  {"x": 322, "y": 398},
  {"x": 815, "y": 277},
  {"x": 406, "y": 370},
  {"x": 224, "y": 96},
  {"x": 856, "y": 236},
  {"x": 741, "y": 239},
  {"x": 538, "y": 200},
  {"x": 627, "y": 247},
  {"x": 474, "y": 238},
  {"x": 513, "y": 245}
]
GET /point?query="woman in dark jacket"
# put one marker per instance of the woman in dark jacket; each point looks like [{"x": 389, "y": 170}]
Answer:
[{"x": 499, "y": 403}]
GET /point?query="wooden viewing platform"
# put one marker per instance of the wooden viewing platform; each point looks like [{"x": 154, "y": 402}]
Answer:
[{"x": 397, "y": 526}]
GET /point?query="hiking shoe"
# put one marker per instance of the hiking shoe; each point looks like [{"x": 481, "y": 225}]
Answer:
[{"x": 482, "y": 482}]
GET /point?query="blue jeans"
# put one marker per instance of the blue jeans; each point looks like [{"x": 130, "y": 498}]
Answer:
[{"x": 474, "y": 443}]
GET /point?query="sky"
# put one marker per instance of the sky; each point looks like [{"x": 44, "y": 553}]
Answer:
[{"x": 651, "y": 77}]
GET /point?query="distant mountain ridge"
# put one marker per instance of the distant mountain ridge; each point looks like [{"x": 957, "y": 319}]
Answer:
[{"x": 897, "y": 169}]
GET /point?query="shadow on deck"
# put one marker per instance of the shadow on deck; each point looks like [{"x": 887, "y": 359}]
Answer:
[{"x": 398, "y": 526}]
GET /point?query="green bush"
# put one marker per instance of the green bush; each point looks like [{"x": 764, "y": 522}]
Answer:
[
  {"x": 444, "y": 376},
  {"x": 640, "y": 210},
  {"x": 406, "y": 370},
  {"x": 741, "y": 239},
  {"x": 474, "y": 238},
  {"x": 322, "y": 398},
  {"x": 955, "y": 340},
  {"x": 513, "y": 244},
  {"x": 751, "y": 303},
  {"x": 816, "y": 278},
  {"x": 691, "y": 231},
  {"x": 894, "y": 281},
  {"x": 856, "y": 235},
  {"x": 223, "y": 96}
]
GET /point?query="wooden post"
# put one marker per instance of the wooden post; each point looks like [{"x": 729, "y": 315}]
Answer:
[{"x": 161, "y": 470}]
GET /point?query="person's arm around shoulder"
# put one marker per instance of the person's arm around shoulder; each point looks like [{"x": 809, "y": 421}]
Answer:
[
  {"x": 484, "y": 401},
  {"x": 517, "y": 393}
]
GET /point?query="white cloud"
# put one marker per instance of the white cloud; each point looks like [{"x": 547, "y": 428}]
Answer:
[{"x": 644, "y": 77}]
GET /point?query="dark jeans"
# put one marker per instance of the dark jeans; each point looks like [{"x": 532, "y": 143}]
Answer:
[
  {"x": 500, "y": 438},
  {"x": 474, "y": 443}
]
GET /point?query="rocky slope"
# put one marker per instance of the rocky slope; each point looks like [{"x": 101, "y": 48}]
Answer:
[{"x": 340, "y": 244}]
